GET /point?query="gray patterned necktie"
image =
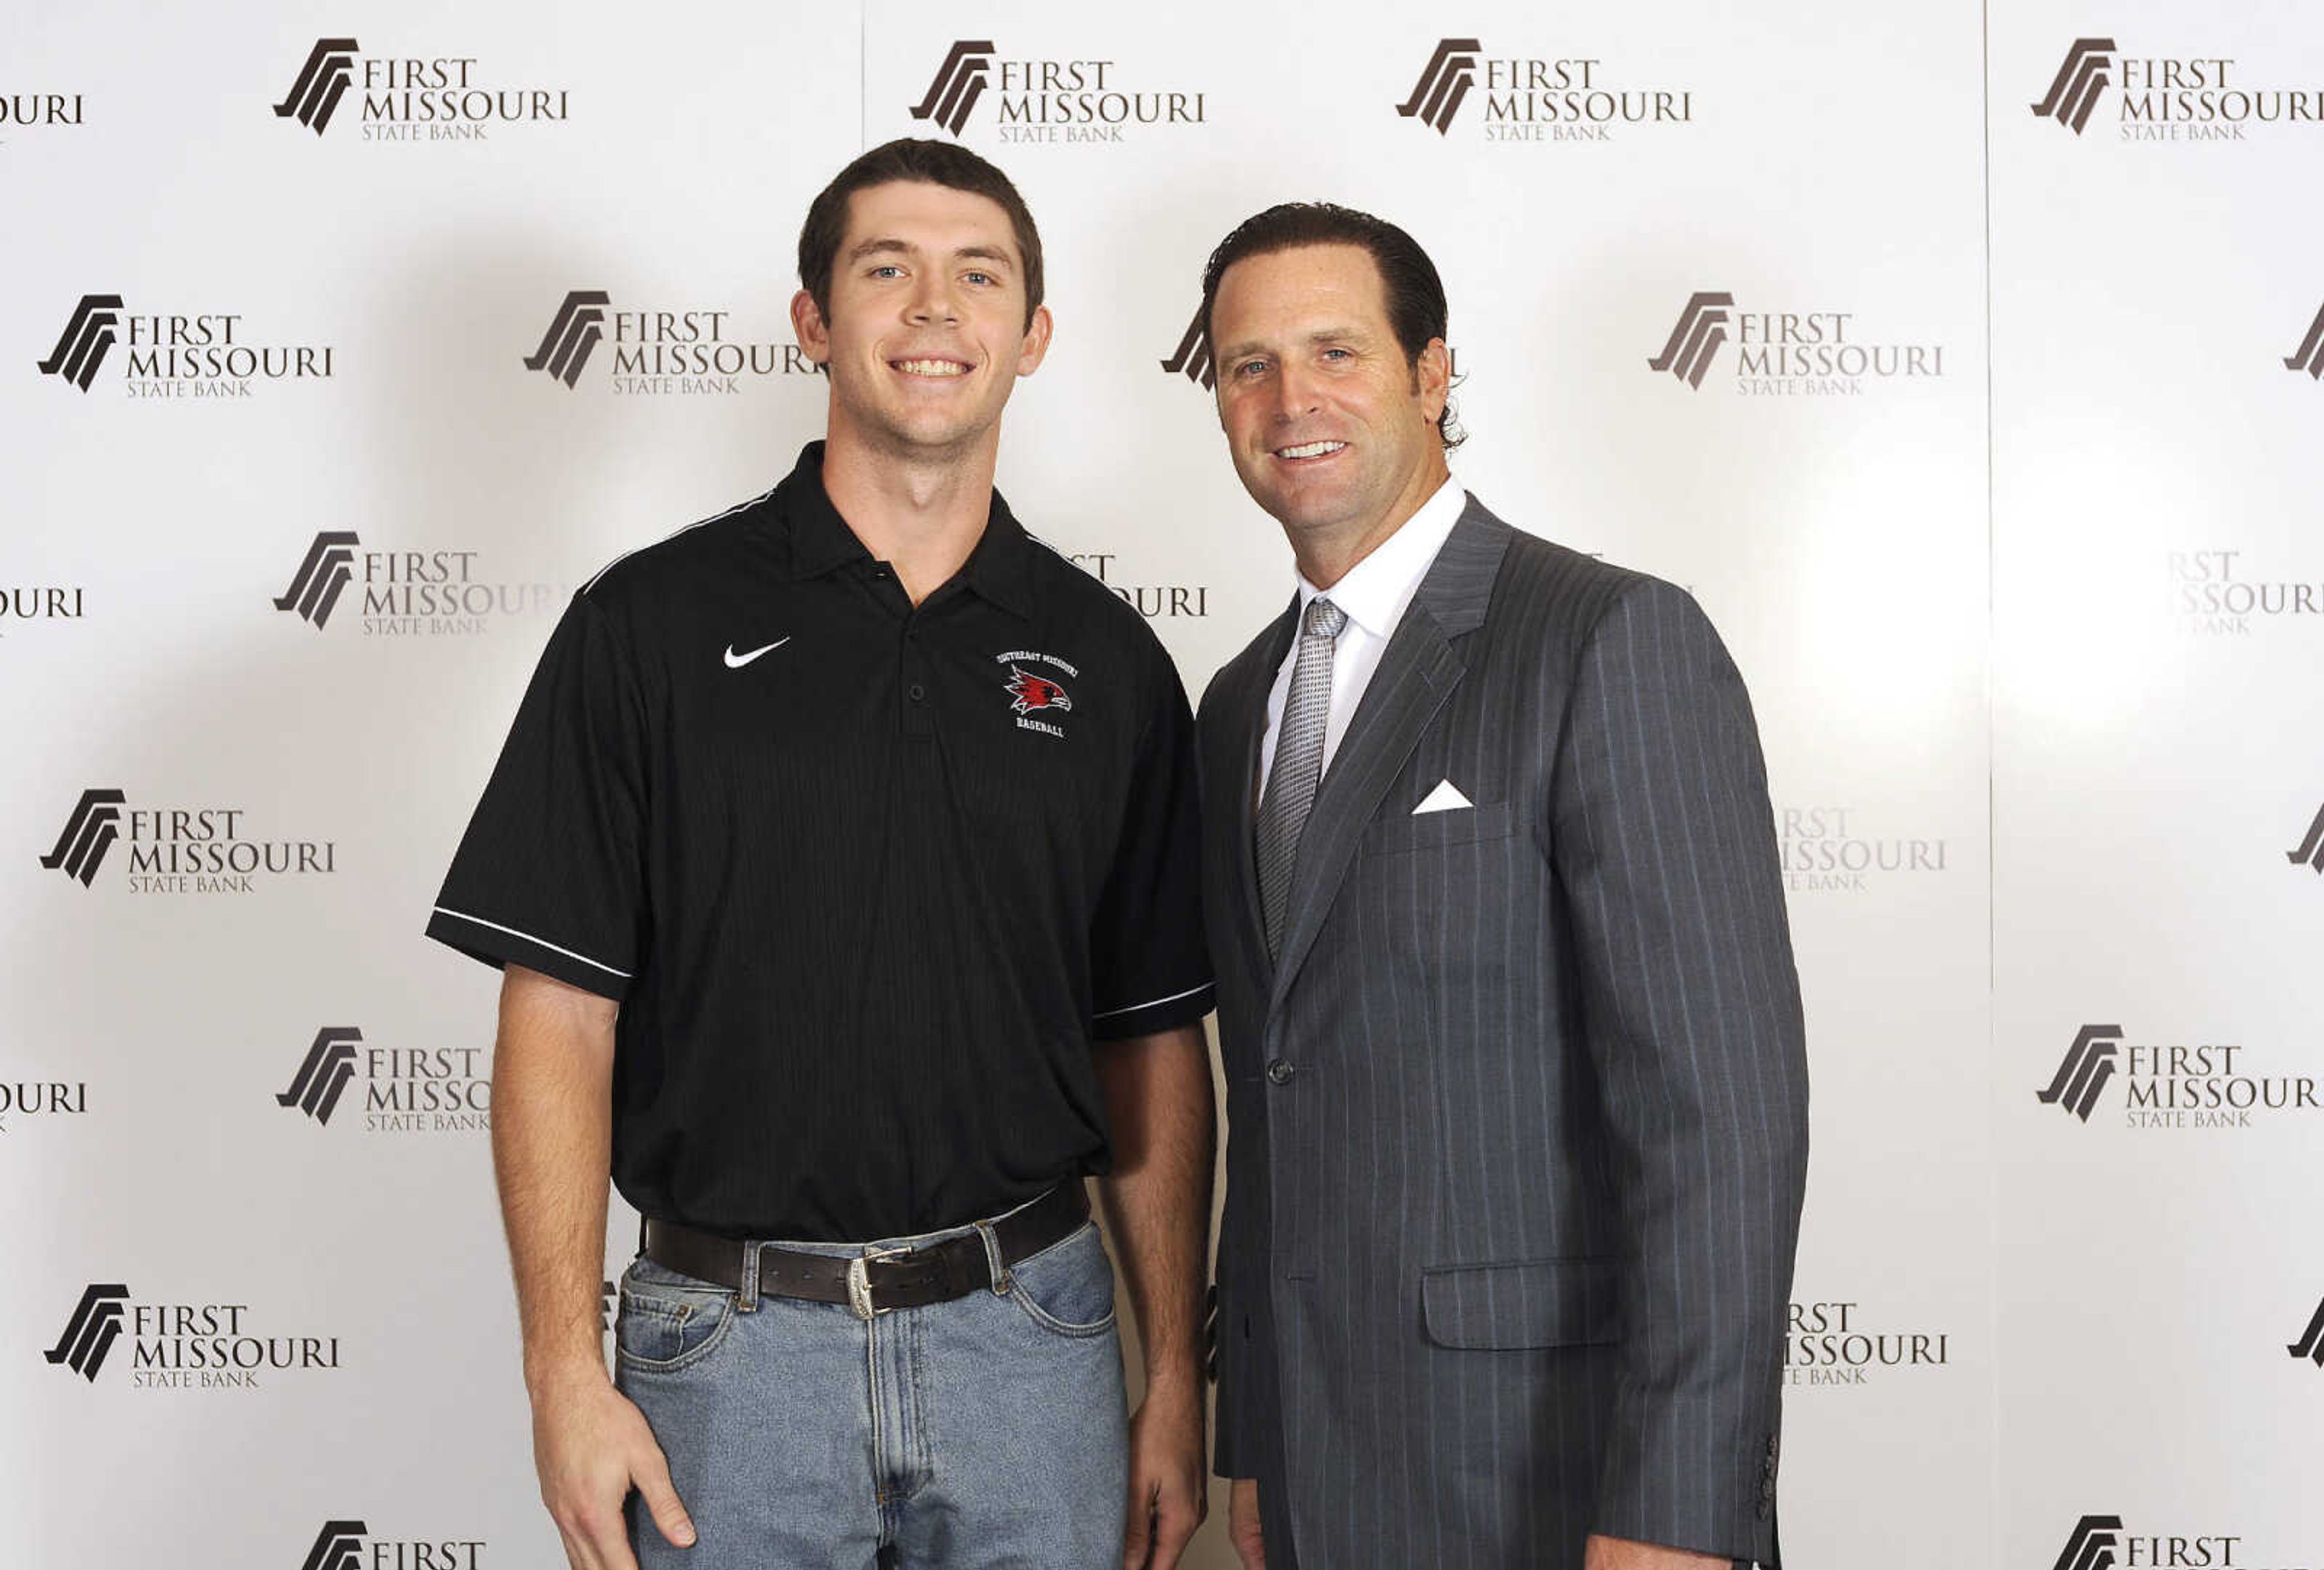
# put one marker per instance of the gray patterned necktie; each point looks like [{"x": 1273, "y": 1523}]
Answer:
[{"x": 1298, "y": 765}]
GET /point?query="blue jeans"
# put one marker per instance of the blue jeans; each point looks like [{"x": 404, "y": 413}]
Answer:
[{"x": 985, "y": 1432}]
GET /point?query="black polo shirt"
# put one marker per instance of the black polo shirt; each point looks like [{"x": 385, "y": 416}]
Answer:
[{"x": 867, "y": 879}]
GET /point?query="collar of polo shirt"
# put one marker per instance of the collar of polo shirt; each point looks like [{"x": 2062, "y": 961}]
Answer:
[{"x": 997, "y": 568}]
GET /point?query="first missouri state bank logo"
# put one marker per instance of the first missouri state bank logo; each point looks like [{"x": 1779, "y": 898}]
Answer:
[
  {"x": 177, "y": 353},
  {"x": 86, "y": 339},
  {"x": 1788, "y": 353},
  {"x": 959, "y": 83},
  {"x": 179, "y": 850},
  {"x": 1048, "y": 100},
  {"x": 181, "y": 1345},
  {"x": 406, "y": 1090},
  {"x": 406, "y": 97},
  {"x": 352, "y": 1545},
  {"x": 2309, "y": 357},
  {"x": 1536, "y": 99},
  {"x": 2175, "y": 1085},
  {"x": 2079, "y": 81},
  {"x": 2088, "y": 1064},
  {"x": 89, "y": 832},
  {"x": 2167, "y": 97},
  {"x": 687, "y": 351},
  {"x": 90, "y": 1333},
  {"x": 1444, "y": 81},
  {"x": 2310, "y": 851},
  {"x": 405, "y": 593}
]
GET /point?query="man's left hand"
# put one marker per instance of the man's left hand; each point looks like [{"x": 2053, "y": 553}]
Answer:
[
  {"x": 1621, "y": 1554},
  {"x": 1169, "y": 1491}
]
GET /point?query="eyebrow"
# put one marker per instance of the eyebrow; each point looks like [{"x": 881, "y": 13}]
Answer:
[
  {"x": 889, "y": 246},
  {"x": 1347, "y": 333}
]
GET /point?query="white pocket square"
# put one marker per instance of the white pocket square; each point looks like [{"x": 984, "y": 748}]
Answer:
[{"x": 1445, "y": 798}]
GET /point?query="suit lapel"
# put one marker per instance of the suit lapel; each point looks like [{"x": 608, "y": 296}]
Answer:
[
  {"x": 1249, "y": 715},
  {"x": 1416, "y": 673}
]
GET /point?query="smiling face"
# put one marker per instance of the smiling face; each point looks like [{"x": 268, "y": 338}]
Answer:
[
  {"x": 1330, "y": 426},
  {"x": 928, "y": 331}
]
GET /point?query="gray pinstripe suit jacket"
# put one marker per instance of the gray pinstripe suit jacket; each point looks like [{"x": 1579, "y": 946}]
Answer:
[{"x": 1518, "y": 1127}]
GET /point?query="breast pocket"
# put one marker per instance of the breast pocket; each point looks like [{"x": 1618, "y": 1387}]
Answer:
[{"x": 1421, "y": 831}]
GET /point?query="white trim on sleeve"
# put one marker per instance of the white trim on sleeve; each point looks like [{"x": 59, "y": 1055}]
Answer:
[
  {"x": 1149, "y": 1003},
  {"x": 529, "y": 937}
]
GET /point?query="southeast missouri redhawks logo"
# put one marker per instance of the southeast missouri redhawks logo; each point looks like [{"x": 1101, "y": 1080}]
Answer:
[{"x": 1029, "y": 692}]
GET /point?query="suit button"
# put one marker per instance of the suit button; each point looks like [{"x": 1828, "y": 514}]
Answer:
[{"x": 1280, "y": 1072}]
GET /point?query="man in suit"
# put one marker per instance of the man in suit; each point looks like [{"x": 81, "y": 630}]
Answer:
[{"x": 1516, "y": 1092}]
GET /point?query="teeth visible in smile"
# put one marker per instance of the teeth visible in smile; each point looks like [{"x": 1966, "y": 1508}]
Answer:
[
  {"x": 932, "y": 368},
  {"x": 1311, "y": 449}
]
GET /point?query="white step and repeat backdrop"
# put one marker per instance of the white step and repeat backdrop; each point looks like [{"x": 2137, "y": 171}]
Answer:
[{"x": 1966, "y": 366}]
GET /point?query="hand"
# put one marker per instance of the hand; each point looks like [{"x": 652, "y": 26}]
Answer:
[
  {"x": 590, "y": 1444},
  {"x": 1242, "y": 1523},
  {"x": 1168, "y": 1483},
  {"x": 1621, "y": 1554}
]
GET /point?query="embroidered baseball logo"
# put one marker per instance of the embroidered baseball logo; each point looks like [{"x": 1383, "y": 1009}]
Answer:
[
  {"x": 1031, "y": 696},
  {"x": 1029, "y": 692}
]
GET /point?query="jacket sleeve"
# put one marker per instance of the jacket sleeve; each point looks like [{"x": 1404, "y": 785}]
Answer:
[{"x": 1666, "y": 849}]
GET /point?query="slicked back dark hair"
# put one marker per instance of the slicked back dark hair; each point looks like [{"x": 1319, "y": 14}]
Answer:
[
  {"x": 944, "y": 163},
  {"x": 1415, "y": 293}
]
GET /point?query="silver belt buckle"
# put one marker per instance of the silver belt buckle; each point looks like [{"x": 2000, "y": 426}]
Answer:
[{"x": 859, "y": 1282}]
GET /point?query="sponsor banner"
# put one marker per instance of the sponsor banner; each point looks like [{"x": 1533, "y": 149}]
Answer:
[
  {"x": 25, "y": 1101},
  {"x": 1790, "y": 353},
  {"x": 2177, "y": 1084},
  {"x": 1843, "y": 850},
  {"x": 402, "y": 1090},
  {"x": 32, "y": 606},
  {"x": 1847, "y": 1345},
  {"x": 1154, "y": 601},
  {"x": 180, "y": 849},
  {"x": 2222, "y": 593},
  {"x": 1010, "y": 95},
  {"x": 352, "y": 1545},
  {"x": 2102, "y": 1542},
  {"x": 409, "y": 594},
  {"x": 178, "y": 1345},
  {"x": 680, "y": 351},
  {"x": 178, "y": 354},
  {"x": 405, "y": 96},
  {"x": 39, "y": 111},
  {"x": 2134, "y": 93},
  {"x": 1541, "y": 97}
]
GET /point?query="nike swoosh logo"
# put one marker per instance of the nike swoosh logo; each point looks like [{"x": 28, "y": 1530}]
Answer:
[{"x": 736, "y": 661}]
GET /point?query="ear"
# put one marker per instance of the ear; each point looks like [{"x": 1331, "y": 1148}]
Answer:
[
  {"x": 1035, "y": 345},
  {"x": 1434, "y": 374},
  {"x": 809, "y": 326}
]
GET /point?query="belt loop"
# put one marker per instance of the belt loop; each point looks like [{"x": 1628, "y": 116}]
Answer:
[
  {"x": 746, "y": 1296},
  {"x": 993, "y": 1264}
]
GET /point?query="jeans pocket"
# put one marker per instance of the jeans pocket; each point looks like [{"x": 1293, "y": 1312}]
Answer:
[
  {"x": 669, "y": 1321},
  {"x": 1067, "y": 1289}
]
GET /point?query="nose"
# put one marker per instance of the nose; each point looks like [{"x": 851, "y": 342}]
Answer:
[
  {"x": 932, "y": 301},
  {"x": 1295, "y": 391}
]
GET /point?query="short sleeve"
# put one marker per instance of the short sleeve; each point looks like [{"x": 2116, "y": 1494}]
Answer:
[
  {"x": 548, "y": 875},
  {"x": 1149, "y": 969}
]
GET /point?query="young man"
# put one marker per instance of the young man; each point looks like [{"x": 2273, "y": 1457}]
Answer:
[
  {"x": 840, "y": 863},
  {"x": 1516, "y": 1095}
]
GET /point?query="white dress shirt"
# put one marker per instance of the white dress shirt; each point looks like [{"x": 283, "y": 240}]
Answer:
[{"x": 1374, "y": 593}]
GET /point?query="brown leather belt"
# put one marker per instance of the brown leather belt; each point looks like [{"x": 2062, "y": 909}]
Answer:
[{"x": 873, "y": 1284}]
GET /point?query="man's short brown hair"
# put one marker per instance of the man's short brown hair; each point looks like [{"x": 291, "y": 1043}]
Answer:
[{"x": 943, "y": 163}]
